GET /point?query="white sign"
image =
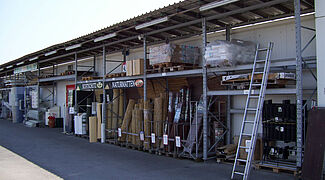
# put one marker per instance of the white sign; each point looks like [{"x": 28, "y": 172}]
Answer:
[
  {"x": 71, "y": 110},
  {"x": 153, "y": 138},
  {"x": 141, "y": 136},
  {"x": 119, "y": 132},
  {"x": 165, "y": 139},
  {"x": 178, "y": 141},
  {"x": 248, "y": 143}
]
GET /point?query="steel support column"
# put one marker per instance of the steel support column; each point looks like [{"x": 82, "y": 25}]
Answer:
[
  {"x": 228, "y": 137},
  {"x": 75, "y": 83},
  {"x": 104, "y": 109},
  {"x": 205, "y": 100},
  {"x": 298, "y": 83},
  {"x": 144, "y": 68},
  {"x": 38, "y": 92}
]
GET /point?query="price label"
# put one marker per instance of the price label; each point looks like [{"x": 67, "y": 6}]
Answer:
[
  {"x": 119, "y": 132},
  {"x": 153, "y": 138},
  {"x": 165, "y": 139},
  {"x": 178, "y": 141},
  {"x": 163, "y": 74},
  {"x": 141, "y": 136},
  {"x": 71, "y": 110}
]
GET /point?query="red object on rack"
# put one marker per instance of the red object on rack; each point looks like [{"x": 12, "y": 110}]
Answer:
[{"x": 51, "y": 121}]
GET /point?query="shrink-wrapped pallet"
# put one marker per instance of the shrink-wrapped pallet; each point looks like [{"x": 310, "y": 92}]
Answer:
[
  {"x": 174, "y": 53},
  {"x": 229, "y": 53}
]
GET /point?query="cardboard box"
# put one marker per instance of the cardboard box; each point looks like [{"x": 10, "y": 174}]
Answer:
[
  {"x": 258, "y": 153},
  {"x": 137, "y": 67},
  {"x": 129, "y": 68}
]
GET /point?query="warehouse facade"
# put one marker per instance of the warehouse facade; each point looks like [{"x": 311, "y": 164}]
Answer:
[{"x": 90, "y": 85}]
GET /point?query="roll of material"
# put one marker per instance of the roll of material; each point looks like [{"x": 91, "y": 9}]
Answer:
[
  {"x": 93, "y": 129},
  {"x": 127, "y": 119},
  {"x": 99, "y": 119}
]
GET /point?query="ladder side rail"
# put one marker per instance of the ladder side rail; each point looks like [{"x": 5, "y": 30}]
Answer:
[
  {"x": 245, "y": 112},
  {"x": 259, "y": 111}
]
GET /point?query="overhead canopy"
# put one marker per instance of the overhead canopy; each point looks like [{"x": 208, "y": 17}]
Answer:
[{"x": 176, "y": 21}]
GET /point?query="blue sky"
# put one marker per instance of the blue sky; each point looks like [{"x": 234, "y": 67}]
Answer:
[{"x": 30, "y": 25}]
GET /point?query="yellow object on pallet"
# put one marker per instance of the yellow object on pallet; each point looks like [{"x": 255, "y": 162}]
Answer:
[
  {"x": 92, "y": 129},
  {"x": 99, "y": 120},
  {"x": 127, "y": 119}
]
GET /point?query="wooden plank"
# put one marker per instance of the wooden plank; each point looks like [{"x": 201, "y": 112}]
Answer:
[
  {"x": 92, "y": 129},
  {"x": 127, "y": 119},
  {"x": 99, "y": 119}
]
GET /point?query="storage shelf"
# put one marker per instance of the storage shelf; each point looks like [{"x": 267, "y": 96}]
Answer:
[{"x": 58, "y": 78}]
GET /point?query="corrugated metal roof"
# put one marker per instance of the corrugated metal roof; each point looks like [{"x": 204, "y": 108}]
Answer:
[{"x": 180, "y": 13}]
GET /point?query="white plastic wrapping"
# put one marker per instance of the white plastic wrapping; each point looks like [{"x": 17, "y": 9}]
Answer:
[
  {"x": 229, "y": 53},
  {"x": 174, "y": 53}
]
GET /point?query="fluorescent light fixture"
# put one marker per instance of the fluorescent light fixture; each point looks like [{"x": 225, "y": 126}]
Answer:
[
  {"x": 1, "y": 69},
  {"x": 151, "y": 23},
  {"x": 105, "y": 37},
  {"x": 216, "y": 4},
  {"x": 73, "y": 47},
  {"x": 50, "y": 53},
  {"x": 34, "y": 58},
  {"x": 10, "y": 66},
  {"x": 20, "y": 63}
]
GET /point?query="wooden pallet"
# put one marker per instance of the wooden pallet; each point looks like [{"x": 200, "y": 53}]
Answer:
[
  {"x": 278, "y": 169},
  {"x": 88, "y": 78},
  {"x": 115, "y": 75},
  {"x": 170, "y": 68}
]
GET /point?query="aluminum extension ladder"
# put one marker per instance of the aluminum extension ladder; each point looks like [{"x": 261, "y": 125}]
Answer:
[{"x": 249, "y": 127}]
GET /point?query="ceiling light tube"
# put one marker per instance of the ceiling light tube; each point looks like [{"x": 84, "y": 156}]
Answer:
[
  {"x": 216, "y": 4},
  {"x": 73, "y": 47},
  {"x": 34, "y": 58},
  {"x": 20, "y": 63},
  {"x": 105, "y": 37},
  {"x": 10, "y": 66},
  {"x": 151, "y": 23},
  {"x": 50, "y": 53}
]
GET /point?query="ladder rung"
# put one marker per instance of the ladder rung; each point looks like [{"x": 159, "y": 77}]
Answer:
[
  {"x": 242, "y": 160},
  {"x": 263, "y": 49},
  {"x": 243, "y": 147},
  {"x": 251, "y": 109},
  {"x": 254, "y": 96},
  {"x": 250, "y": 122},
  {"x": 239, "y": 173},
  {"x": 246, "y": 134},
  {"x": 260, "y": 61},
  {"x": 256, "y": 84}
]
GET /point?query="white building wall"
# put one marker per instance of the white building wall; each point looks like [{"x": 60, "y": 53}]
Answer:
[
  {"x": 282, "y": 33},
  {"x": 320, "y": 38}
]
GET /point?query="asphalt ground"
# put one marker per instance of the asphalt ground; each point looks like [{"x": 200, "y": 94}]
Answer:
[{"x": 72, "y": 157}]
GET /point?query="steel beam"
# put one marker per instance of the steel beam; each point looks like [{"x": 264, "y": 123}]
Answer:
[
  {"x": 298, "y": 82},
  {"x": 205, "y": 100},
  {"x": 75, "y": 84},
  {"x": 228, "y": 123},
  {"x": 144, "y": 68},
  {"x": 104, "y": 109}
]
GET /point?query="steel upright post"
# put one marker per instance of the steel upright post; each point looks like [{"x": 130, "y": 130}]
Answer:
[
  {"x": 75, "y": 83},
  {"x": 228, "y": 137},
  {"x": 144, "y": 68},
  {"x": 205, "y": 100},
  {"x": 38, "y": 92},
  {"x": 104, "y": 109},
  {"x": 298, "y": 82}
]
